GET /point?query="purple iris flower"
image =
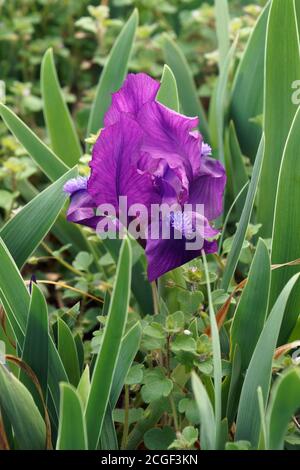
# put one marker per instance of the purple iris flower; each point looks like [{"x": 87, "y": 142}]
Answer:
[{"x": 151, "y": 155}]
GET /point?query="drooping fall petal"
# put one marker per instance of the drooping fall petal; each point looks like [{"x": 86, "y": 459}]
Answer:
[{"x": 82, "y": 209}]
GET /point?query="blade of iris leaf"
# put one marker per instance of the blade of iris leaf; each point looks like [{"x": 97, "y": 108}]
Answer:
[
  {"x": 56, "y": 374},
  {"x": 188, "y": 97},
  {"x": 10, "y": 283},
  {"x": 72, "y": 429},
  {"x": 84, "y": 385},
  {"x": 35, "y": 220},
  {"x": 129, "y": 348},
  {"x": 141, "y": 287},
  {"x": 168, "y": 93},
  {"x": 67, "y": 234},
  {"x": 80, "y": 351},
  {"x": 16, "y": 308},
  {"x": 232, "y": 385},
  {"x": 222, "y": 26},
  {"x": 6, "y": 337},
  {"x": 248, "y": 322},
  {"x": 216, "y": 349},
  {"x": 68, "y": 352},
  {"x": 226, "y": 220},
  {"x": 247, "y": 91},
  {"x": 260, "y": 370},
  {"x": 282, "y": 47},
  {"x": 284, "y": 403},
  {"x": 238, "y": 169},
  {"x": 64, "y": 140},
  {"x": 113, "y": 74},
  {"x": 12, "y": 320},
  {"x": 23, "y": 414},
  {"x": 263, "y": 438},
  {"x": 220, "y": 100},
  {"x": 251, "y": 312},
  {"x": 49, "y": 163},
  {"x": 285, "y": 241},
  {"x": 297, "y": 9},
  {"x": 108, "y": 439},
  {"x": 212, "y": 121},
  {"x": 206, "y": 413},
  {"x": 6, "y": 432},
  {"x": 229, "y": 190},
  {"x": 110, "y": 349},
  {"x": 239, "y": 236},
  {"x": 36, "y": 344}
]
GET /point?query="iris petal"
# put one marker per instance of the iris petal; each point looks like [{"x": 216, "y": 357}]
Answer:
[
  {"x": 114, "y": 172},
  {"x": 208, "y": 188},
  {"x": 169, "y": 135},
  {"x": 136, "y": 91},
  {"x": 165, "y": 255},
  {"x": 152, "y": 155},
  {"x": 82, "y": 209}
]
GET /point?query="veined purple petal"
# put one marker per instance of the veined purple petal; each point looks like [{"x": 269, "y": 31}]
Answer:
[
  {"x": 75, "y": 184},
  {"x": 82, "y": 209},
  {"x": 168, "y": 135},
  {"x": 114, "y": 172},
  {"x": 165, "y": 254},
  {"x": 137, "y": 90},
  {"x": 170, "y": 183},
  {"x": 208, "y": 188},
  {"x": 152, "y": 154}
]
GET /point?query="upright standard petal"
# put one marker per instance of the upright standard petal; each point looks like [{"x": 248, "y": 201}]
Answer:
[
  {"x": 169, "y": 135},
  {"x": 114, "y": 172},
  {"x": 137, "y": 90},
  {"x": 208, "y": 188}
]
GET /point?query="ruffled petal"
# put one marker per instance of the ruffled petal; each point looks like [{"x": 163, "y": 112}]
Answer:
[
  {"x": 151, "y": 154},
  {"x": 75, "y": 184},
  {"x": 169, "y": 135},
  {"x": 208, "y": 188},
  {"x": 114, "y": 172},
  {"x": 82, "y": 209},
  {"x": 137, "y": 90}
]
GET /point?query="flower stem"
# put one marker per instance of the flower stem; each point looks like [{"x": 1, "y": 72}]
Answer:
[{"x": 155, "y": 297}]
